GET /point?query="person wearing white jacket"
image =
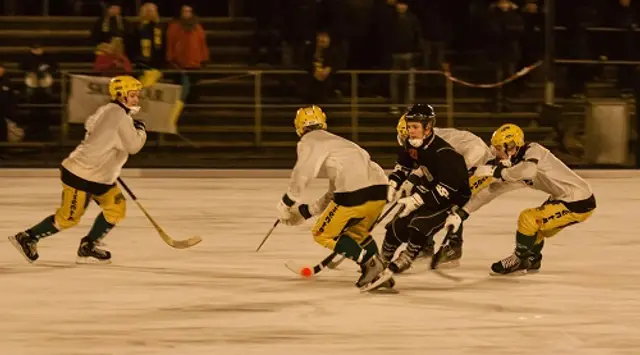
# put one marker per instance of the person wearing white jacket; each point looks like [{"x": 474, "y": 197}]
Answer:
[
  {"x": 357, "y": 193},
  {"x": 90, "y": 172}
]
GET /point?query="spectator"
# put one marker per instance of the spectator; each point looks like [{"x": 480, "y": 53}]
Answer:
[
  {"x": 186, "y": 41},
  {"x": 406, "y": 42},
  {"x": 110, "y": 25},
  {"x": 9, "y": 130},
  {"x": 111, "y": 59},
  {"x": 186, "y": 46},
  {"x": 39, "y": 68},
  {"x": 149, "y": 39},
  {"x": 323, "y": 59}
]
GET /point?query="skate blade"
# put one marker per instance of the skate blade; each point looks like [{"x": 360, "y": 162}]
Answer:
[
  {"x": 16, "y": 245},
  {"x": 385, "y": 276},
  {"x": 516, "y": 273},
  {"x": 91, "y": 260},
  {"x": 447, "y": 265}
]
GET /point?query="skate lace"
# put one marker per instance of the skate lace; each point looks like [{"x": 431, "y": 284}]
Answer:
[
  {"x": 100, "y": 252},
  {"x": 32, "y": 248},
  {"x": 510, "y": 261},
  {"x": 403, "y": 259}
]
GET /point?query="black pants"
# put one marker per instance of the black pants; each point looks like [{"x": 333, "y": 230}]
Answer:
[{"x": 416, "y": 229}]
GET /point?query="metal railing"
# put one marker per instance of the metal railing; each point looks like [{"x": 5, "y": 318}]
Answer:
[
  {"x": 225, "y": 77},
  {"x": 257, "y": 87}
]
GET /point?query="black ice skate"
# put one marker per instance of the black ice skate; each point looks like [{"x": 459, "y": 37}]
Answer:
[
  {"x": 26, "y": 245},
  {"x": 449, "y": 254},
  {"x": 515, "y": 263},
  {"x": 402, "y": 263},
  {"x": 89, "y": 253},
  {"x": 371, "y": 271},
  {"x": 427, "y": 251}
]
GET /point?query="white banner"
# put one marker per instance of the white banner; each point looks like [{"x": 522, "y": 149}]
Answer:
[{"x": 160, "y": 108}]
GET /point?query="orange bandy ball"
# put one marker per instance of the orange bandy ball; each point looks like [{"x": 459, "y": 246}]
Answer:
[{"x": 306, "y": 272}]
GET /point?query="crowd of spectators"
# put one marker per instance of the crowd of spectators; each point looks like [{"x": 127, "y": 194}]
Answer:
[{"x": 324, "y": 36}]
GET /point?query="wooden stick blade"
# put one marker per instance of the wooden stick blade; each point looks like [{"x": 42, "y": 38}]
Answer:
[
  {"x": 178, "y": 244},
  {"x": 181, "y": 244}
]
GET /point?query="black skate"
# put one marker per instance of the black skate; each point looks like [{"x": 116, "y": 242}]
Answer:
[
  {"x": 402, "y": 263},
  {"x": 449, "y": 254},
  {"x": 26, "y": 245},
  {"x": 89, "y": 253},
  {"x": 427, "y": 251},
  {"x": 535, "y": 263},
  {"x": 371, "y": 271},
  {"x": 515, "y": 263}
]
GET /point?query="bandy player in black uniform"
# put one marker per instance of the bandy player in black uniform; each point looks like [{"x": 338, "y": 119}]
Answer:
[{"x": 445, "y": 184}]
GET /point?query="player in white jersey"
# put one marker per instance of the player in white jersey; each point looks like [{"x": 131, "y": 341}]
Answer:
[
  {"x": 475, "y": 153},
  {"x": 357, "y": 193},
  {"x": 90, "y": 173},
  {"x": 570, "y": 201}
]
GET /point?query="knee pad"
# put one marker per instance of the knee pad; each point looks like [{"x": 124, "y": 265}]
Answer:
[
  {"x": 326, "y": 241},
  {"x": 114, "y": 213},
  {"x": 527, "y": 222},
  {"x": 62, "y": 222}
]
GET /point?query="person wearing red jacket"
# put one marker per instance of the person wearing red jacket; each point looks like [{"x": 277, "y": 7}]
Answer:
[{"x": 111, "y": 60}]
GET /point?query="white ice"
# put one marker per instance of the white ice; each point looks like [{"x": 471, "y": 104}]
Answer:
[{"x": 221, "y": 297}]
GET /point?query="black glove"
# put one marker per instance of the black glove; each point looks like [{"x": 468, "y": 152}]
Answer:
[{"x": 139, "y": 125}]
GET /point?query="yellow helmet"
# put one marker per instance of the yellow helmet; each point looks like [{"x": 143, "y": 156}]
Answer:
[
  {"x": 307, "y": 117},
  {"x": 508, "y": 136},
  {"x": 119, "y": 86},
  {"x": 403, "y": 134}
]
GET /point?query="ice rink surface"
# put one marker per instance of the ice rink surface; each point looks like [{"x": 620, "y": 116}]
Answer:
[{"x": 221, "y": 297}]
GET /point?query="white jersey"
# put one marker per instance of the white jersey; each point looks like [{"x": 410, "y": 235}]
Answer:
[
  {"x": 467, "y": 144},
  {"x": 106, "y": 146},
  {"x": 540, "y": 170},
  {"x": 348, "y": 167}
]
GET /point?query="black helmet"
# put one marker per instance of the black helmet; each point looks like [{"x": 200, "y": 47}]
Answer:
[{"x": 421, "y": 113}]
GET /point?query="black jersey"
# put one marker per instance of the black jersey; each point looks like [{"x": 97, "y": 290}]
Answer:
[{"x": 446, "y": 179}]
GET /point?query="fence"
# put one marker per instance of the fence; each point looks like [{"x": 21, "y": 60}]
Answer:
[
  {"x": 268, "y": 119},
  {"x": 258, "y": 85}
]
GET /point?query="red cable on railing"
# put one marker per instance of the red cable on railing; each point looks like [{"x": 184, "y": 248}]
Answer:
[{"x": 522, "y": 72}]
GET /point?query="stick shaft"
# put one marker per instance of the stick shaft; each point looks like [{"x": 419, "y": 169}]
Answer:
[
  {"x": 127, "y": 189},
  {"x": 268, "y": 234}
]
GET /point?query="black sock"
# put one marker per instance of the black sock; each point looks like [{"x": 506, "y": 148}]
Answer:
[
  {"x": 416, "y": 241},
  {"x": 524, "y": 244},
  {"x": 349, "y": 248},
  {"x": 43, "y": 229},
  {"x": 371, "y": 247},
  {"x": 390, "y": 244},
  {"x": 99, "y": 229},
  {"x": 537, "y": 248}
]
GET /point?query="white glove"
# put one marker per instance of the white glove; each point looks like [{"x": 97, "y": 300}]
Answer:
[
  {"x": 406, "y": 188},
  {"x": 454, "y": 221},
  {"x": 289, "y": 215},
  {"x": 392, "y": 190},
  {"x": 485, "y": 170},
  {"x": 409, "y": 204}
]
